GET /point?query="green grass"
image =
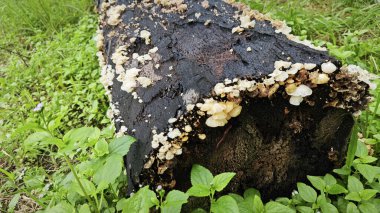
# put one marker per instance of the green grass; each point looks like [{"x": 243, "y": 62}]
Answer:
[{"x": 47, "y": 55}]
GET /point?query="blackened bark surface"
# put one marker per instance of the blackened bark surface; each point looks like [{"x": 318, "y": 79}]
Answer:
[{"x": 270, "y": 146}]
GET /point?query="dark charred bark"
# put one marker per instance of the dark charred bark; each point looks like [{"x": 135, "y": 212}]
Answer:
[{"x": 272, "y": 144}]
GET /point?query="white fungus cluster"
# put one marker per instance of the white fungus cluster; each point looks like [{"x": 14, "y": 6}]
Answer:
[
  {"x": 363, "y": 75},
  {"x": 167, "y": 150},
  {"x": 245, "y": 23},
  {"x": 131, "y": 78},
  {"x": 114, "y": 13},
  {"x": 172, "y": 5},
  {"x": 219, "y": 111}
]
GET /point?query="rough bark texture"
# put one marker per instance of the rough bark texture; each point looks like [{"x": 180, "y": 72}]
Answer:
[{"x": 270, "y": 146}]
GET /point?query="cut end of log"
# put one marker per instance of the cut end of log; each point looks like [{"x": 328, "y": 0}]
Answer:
[{"x": 218, "y": 84}]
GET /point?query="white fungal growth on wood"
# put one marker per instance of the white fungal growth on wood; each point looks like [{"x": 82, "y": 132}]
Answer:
[
  {"x": 220, "y": 112},
  {"x": 246, "y": 22},
  {"x": 282, "y": 64},
  {"x": 129, "y": 79},
  {"x": 119, "y": 58},
  {"x": 328, "y": 67},
  {"x": 146, "y": 36},
  {"x": 174, "y": 133},
  {"x": 295, "y": 68},
  {"x": 114, "y": 13},
  {"x": 309, "y": 66},
  {"x": 237, "y": 29},
  {"x": 363, "y": 75},
  {"x": 107, "y": 75},
  {"x": 99, "y": 39},
  {"x": 279, "y": 75},
  {"x": 144, "y": 81},
  {"x": 296, "y": 96}
]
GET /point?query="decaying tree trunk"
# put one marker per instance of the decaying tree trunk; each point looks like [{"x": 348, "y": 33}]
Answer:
[{"x": 213, "y": 83}]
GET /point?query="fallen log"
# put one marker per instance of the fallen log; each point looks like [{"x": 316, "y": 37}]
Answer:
[{"x": 217, "y": 84}]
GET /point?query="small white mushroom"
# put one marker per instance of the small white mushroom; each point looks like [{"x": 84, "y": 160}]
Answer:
[
  {"x": 322, "y": 78},
  {"x": 172, "y": 120},
  {"x": 299, "y": 93},
  {"x": 202, "y": 136},
  {"x": 309, "y": 66},
  {"x": 188, "y": 128},
  {"x": 294, "y": 68},
  {"x": 174, "y": 133},
  {"x": 282, "y": 64},
  {"x": 295, "y": 100},
  {"x": 145, "y": 35},
  {"x": 328, "y": 67},
  {"x": 279, "y": 75}
]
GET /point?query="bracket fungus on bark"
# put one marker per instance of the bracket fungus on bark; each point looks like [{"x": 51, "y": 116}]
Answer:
[{"x": 215, "y": 83}]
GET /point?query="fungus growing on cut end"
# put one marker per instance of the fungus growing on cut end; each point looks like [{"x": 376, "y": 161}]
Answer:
[
  {"x": 145, "y": 34},
  {"x": 114, "y": 13}
]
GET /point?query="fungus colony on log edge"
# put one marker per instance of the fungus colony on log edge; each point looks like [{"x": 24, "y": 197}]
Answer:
[{"x": 347, "y": 86}]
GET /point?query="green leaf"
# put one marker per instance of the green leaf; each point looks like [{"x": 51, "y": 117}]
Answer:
[
  {"x": 140, "y": 202},
  {"x": 258, "y": 204},
  {"x": 12, "y": 204},
  {"x": 354, "y": 196},
  {"x": 220, "y": 181},
  {"x": 200, "y": 176},
  {"x": 237, "y": 197},
  {"x": 343, "y": 171},
  {"x": 174, "y": 201},
  {"x": 321, "y": 199},
  {"x": 304, "y": 209},
  {"x": 79, "y": 138},
  {"x": 361, "y": 149},
  {"x": 10, "y": 176},
  {"x": 317, "y": 182},
  {"x": 367, "y": 208},
  {"x": 101, "y": 147},
  {"x": 225, "y": 204},
  {"x": 368, "y": 171},
  {"x": 351, "y": 208},
  {"x": 251, "y": 192},
  {"x": 199, "y": 191},
  {"x": 367, "y": 194},
  {"x": 274, "y": 207},
  {"x": 283, "y": 200},
  {"x": 88, "y": 186},
  {"x": 354, "y": 184},
  {"x": 307, "y": 193},
  {"x": 336, "y": 189},
  {"x": 111, "y": 170},
  {"x": 367, "y": 159},
  {"x": 328, "y": 208},
  {"x": 62, "y": 207},
  {"x": 82, "y": 135},
  {"x": 352, "y": 146},
  {"x": 120, "y": 145},
  {"x": 329, "y": 179},
  {"x": 85, "y": 208}
]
